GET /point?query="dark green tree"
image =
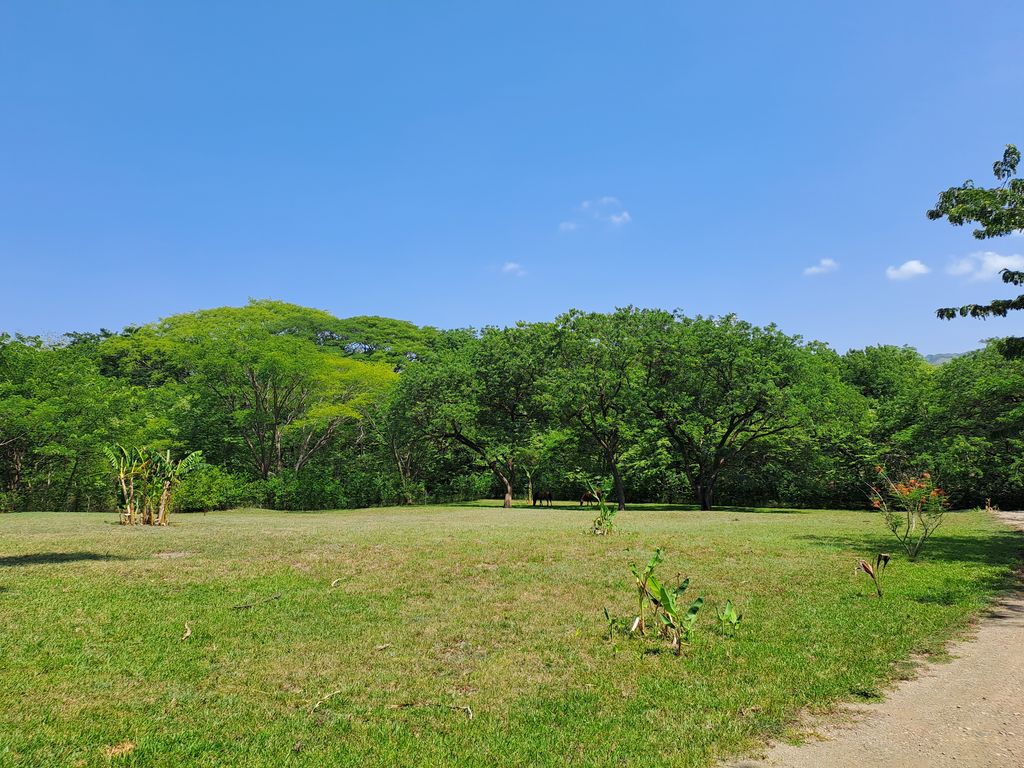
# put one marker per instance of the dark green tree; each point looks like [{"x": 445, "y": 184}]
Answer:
[
  {"x": 481, "y": 394},
  {"x": 594, "y": 385},
  {"x": 728, "y": 394}
]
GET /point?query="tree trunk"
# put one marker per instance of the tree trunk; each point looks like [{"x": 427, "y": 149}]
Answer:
[
  {"x": 130, "y": 506},
  {"x": 620, "y": 489},
  {"x": 705, "y": 492},
  {"x": 165, "y": 503},
  {"x": 506, "y": 478}
]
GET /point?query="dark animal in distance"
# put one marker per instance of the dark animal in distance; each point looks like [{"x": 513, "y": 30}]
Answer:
[
  {"x": 542, "y": 496},
  {"x": 589, "y": 498}
]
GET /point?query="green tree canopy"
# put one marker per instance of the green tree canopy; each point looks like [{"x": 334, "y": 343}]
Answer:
[
  {"x": 264, "y": 372},
  {"x": 481, "y": 394},
  {"x": 594, "y": 383},
  {"x": 726, "y": 392},
  {"x": 998, "y": 211}
]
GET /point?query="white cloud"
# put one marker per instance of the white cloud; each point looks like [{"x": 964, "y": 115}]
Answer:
[
  {"x": 985, "y": 265},
  {"x": 961, "y": 267},
  {"x": 907, "y": 270},
  {"x": 608, "y": 210},
  {"x": 823, "y": 267},
  {"x": 513, "y": 268}
]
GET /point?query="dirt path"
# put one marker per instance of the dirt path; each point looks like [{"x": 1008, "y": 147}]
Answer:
[{"x": 969, "y": 712}]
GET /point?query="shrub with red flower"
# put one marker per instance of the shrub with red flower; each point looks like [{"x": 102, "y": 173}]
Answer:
[{"x": 912, "y": 506}]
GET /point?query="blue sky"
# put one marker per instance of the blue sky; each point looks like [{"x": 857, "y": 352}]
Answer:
[{"x": 467, "y": 163}]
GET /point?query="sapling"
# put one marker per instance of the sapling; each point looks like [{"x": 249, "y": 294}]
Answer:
[
  {"x": 641, "y": 587},
  {"x": 676, "y": 623},
  {"x": 875, "y": 572},
  {"x": 605, "y": 520},
  {"x": 728, "y": 618},
  {"x": 913, "y": 507}
]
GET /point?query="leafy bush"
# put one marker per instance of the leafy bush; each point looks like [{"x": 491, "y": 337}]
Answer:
[{"x": 211, "y": 487}]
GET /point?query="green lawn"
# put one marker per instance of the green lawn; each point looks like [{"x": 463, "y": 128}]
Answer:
[{"x": 445, "y": 611}]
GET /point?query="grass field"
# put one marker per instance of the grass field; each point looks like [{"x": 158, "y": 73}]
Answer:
[{"x": 461, "y": 635}]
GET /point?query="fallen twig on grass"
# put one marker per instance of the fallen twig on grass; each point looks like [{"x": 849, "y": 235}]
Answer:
[
  {"x": 421, "y": 705},
  {"x": 326, "y": 698},
  {"x": 275, "y": 596},
  {"x": 188, "y": 632}
]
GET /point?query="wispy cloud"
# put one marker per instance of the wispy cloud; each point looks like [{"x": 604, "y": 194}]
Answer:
[
  {"x": 985, "y": 265},
  {"x": 513, "y": 268},
  {"x": 823, "y": 267},
  {"x": 907, "y": 270},
  {"x": 606, "y": 210}
]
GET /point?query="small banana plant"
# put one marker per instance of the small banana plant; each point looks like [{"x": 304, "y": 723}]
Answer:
[
  {"x": 875, "y": 572},
  {"x": 641, "y": 579},
  {"x": 728, "y": 618},
  {"x": 677, "y": 623},
  {"x": 605, "y": 520}
]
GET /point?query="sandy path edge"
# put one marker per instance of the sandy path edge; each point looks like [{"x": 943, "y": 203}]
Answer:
[{"x": 968, "y": 712}]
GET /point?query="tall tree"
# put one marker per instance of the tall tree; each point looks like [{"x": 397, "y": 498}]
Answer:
[
  {"x": 593, "y": 386},
  {"x": 264, "y": 373},
  {"x": 56, "y": 414},
  {"x": 998, "y": 211},
  {"x": 724, "y": 392},
  {"x": 894, "y": 381},
  {"x": 972, "y": 431},
  {"x": 481, "y": 394}
]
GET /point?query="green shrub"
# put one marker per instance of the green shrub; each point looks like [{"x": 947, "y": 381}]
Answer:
[{"x": 210, "y": 487}]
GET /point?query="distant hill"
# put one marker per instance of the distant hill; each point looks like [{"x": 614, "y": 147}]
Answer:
[{"x": 943, "y": 357}]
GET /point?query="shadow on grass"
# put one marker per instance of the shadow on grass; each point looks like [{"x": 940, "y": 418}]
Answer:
[
  {"x": 569, "y": 505},
  {"x": 993, "y": 548},
  {"x": 717, "y": 510},
  {"x": 54, "y": 558},
  {"x": 996, "y": 548}
]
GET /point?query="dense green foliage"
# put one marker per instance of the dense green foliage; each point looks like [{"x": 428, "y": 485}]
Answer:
[
  {"x": 293, "y": 408},
  {"x": 440, "y": 613}
]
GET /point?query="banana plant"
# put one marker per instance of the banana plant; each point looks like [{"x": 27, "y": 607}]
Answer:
[
  {"x": 728, "y": 618},
  {"x": 132, "y": 467},
  {"x": 120, "y": 460},
  {"x": 676, "y": 622},
  {"x": 146, "y": 482},
  {"x": 642, "y": 579},
  {"x": 605, "y": 520},
  {"x": 168, "y": 474}
]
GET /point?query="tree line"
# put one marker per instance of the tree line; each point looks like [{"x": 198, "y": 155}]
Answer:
[{"x": 293, "y": 408}]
